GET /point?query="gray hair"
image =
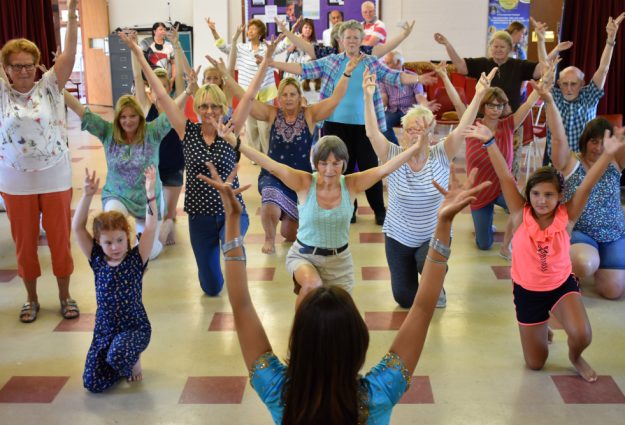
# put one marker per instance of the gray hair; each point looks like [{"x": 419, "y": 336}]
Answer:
[
  {"x": 330, "y": 145},
  {"x": 578, "y": 72},
  {"x": 351, "y": 25},
  {"x": 397, "y": 57}
]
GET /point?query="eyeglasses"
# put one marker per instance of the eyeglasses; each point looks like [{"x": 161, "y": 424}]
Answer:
[
  {"x": 205, "y": 106},
  {"x": 497, "y": 106},
  {"x": 18, "y": 67}
]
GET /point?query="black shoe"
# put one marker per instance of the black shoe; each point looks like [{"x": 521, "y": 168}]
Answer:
[
  {"x": 379, "y": 218},
  {"x": 353, "y": 220}
]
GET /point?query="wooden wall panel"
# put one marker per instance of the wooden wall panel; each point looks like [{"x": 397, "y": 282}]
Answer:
[{"x": 94, "y": 22}]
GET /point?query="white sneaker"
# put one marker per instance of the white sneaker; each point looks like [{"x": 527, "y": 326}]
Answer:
[{"x": 442, "y": 299}]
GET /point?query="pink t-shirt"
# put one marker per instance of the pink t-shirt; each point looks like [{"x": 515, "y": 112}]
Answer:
[
  {"x": 477, "y": 157},
  {"x": 540, "y": 257}
]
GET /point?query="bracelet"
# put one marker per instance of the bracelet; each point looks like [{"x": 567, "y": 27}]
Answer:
[
  {"x": 149, "y": 207},
  {"x": 72, "y": 17},
  {"x": 489, "y": 142},
  {"x": 241, "y": 258},
  {"x": 611, "y": 43},
  {"x": 440, "y": 247},
  {"x": 442, "y": 263},
  {"x": 347, "y": 75},
  {"x": 230, "y": 245},
  {"x": 238, "y": 145}
]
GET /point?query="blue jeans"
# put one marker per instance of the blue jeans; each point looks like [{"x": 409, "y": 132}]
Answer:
[
  {"x": 207, "y": 235},
  {"x": 483, "y": 222},
  {"x": 610, "y": 253},
  {"x": 392, "y": 119}
]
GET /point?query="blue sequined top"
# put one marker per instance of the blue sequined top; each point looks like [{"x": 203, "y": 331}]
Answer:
[
  {"x": 382, "y": 387},
  {"x": 603, "y": 218}
]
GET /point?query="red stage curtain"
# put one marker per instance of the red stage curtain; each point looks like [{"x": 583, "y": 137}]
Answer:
[
  {"x": 584, "y": 24},
  {"x": 31, "y": 19}
]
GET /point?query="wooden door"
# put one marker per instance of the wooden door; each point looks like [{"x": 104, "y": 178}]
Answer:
[{"x": 94, "y": 23}]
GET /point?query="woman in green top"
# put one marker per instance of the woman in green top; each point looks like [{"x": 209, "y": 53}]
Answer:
[{"x": 130, "y": 146}]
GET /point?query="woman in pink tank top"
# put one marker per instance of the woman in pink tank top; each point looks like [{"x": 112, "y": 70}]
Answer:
[{"x": 541, "y": 266}]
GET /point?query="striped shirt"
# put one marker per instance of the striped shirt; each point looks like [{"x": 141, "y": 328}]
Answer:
[
  {"x": 413, "y": 200},
  {"x": 576, "y": 113},
  {"x": 401, "y": 97},
  {"x": 247, "y": 67},
  {"x": 329, "y": 69},
  {"x": 374, "y": 29},
  {"x": 477, "y": 156}
]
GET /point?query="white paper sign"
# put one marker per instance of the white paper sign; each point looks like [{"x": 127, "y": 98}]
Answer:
[{"x": 270, "y": 13}]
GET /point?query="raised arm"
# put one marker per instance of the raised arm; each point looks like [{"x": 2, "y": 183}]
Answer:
[
  {"x": 176, "y": 116},
  {"x": 545, "y": 84},
  {"x": 454, "y": 141},
  {"x": 410, "y": 339},
  {"x": 79, "y": 222},
  {"x": 514, "y": 199},
  {"x": 378, "y": 141},
  {"x": 234, "y": 51},
  {"x": 540, "y": 28},
  {"x": 73, "y": 104},
  {"x": 561, "y": 156},
  {"x": 65, "y": 61},
  {"x": 459, "y": 63},
  {"x": 297, "y": 41},
  {"x": 611, "y": 144},
  {"x": 252, "y": 337},
  {"x": 181, "y": 64},
  {"x": 324, "y": 108},
  {"x": 380, "y": 50},
  {"x": 151, "y": 214},
  {"x": 452, "y": 93},
  {"x": 140, "y": 88},
  {"x": 219, "y": 42},
  {"x": 611, "y": 29}
]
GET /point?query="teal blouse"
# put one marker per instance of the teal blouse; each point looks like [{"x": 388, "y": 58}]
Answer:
[
  {"x": 380, "y": 389},
  {"x": 126, "y": 163}
]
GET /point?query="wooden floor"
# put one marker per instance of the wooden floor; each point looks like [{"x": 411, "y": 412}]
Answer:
[{"x": 471, "y": 371}]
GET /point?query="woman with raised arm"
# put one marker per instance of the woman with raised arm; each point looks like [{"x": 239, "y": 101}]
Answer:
[
  {"x": 542, "y": 221},
  {"x": 412, "y": 201},
  {"x": 320, "y": 382},
  {"x": 201, "y": 142},
  {"x": 35, "y": 165},
  {"x": 598, "y": 239},
  {"x": 290, "y": 140}
]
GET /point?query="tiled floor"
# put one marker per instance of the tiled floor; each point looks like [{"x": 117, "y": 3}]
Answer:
[{"x": 471, "y": 370}]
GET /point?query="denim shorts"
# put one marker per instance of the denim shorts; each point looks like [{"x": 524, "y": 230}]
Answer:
[
  {"x": 533, "y": 307},
  {"x": 611, "y": 254}
]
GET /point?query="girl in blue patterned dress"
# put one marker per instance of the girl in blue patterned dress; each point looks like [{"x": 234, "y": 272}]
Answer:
[
  {"x": 320, "y": 382},
  {"x": 122, "y": 329}
]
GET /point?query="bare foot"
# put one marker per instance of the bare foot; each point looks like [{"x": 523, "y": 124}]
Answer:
[
  {"x": 166, "y": 236},
  {"x": 269, "y": 247},
  {"x": 505, "y": 253},
  {"x": 137, "y": 374},
  {"x": 549, "y": 335},
  {"x": 584, "y": 369}
]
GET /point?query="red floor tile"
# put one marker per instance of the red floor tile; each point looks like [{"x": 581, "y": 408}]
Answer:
[
  {"x": 501, "y": 272},
  {"x": 375, "y": 273},
  {"x": 384, "y": 320},
  {"x": 420, "y": 391},
  {"x": 84, "y": 323},
  {"x": 90, "y": 147},
  {"x": 32, "y": 389},
  {"x": 261, "y": 273},
  {"x": 259, "y": 238},
  {"x": 75, "y": 159},
  {"x": 213, "y": 390},
  {"x": 365, "y": 211},
  {"x": 7, "y": 275},
  {"x": 377, "y": 237},
  {"x": 222, "y": 322},
  {"x": 574, "y": 390}
]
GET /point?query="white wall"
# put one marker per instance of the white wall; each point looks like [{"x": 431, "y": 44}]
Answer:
[{"x": 463, "y": 22}]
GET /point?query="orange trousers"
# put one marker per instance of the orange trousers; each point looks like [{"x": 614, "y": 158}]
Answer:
[{"x": 23, "y": 212}]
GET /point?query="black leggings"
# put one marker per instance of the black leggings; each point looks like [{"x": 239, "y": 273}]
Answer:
[{"x": 361, "y": 152}]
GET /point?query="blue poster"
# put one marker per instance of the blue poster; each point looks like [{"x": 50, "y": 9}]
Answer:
[{"x": 501, "y": 13}]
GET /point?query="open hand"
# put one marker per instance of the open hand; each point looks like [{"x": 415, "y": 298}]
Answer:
[
  {"x": 368, "y": 82},
  {"x": 440, "y": 39},
  {"x": 211, "y": 24},
  {"x": 428, "y": 78},
  {"x": 478, "y": 131},
  {"x": 613, "y": 24},
  {"x": 458, "y": 195},
  {"x": 91, "y": 183},
  {"x": 612, "y": 143},
  {"x": 150, "y": 180},
  {"x": 539, "y": 28},
  {"x": 440, "y": 68},
  {"x": 219, "y": 64},
  {"x": 484, "y": 82},
  {"x": 407, "y": 27},
  {"x": 231, "y": 204}
]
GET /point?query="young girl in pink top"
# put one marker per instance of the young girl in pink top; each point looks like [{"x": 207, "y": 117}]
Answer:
[{"x": 541, "y": 266}]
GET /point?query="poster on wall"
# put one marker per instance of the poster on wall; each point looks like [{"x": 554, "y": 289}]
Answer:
[
  {"x": 317, "y": 10},
  {"x": 501, "y": 13}
]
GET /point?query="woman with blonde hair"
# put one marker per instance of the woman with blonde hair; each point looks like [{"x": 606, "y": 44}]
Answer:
[{"x": 35, "y": 163}]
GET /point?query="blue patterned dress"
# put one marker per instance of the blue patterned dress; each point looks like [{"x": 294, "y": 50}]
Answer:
[
  {"x": 289, "y": 144},
  {"x": 122, "y": 329}
]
